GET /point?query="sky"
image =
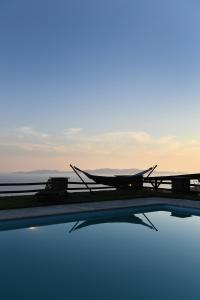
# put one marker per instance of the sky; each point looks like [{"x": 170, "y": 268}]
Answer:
[{"x": 99, "y": 84}]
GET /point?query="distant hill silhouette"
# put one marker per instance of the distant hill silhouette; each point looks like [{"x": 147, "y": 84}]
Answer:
[{"x": 108, "y": 171}]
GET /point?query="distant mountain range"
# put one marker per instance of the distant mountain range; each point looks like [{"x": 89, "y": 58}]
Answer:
[
  {"x": 95, "y": 171},
  {"x": 99, "y": 171}
]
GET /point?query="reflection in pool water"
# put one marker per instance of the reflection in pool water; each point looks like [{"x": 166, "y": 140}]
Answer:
[
  {"x": 122, "y": 254},
  {"x": 131, "y": 219}
]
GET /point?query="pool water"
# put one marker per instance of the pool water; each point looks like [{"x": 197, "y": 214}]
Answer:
[{"x": 116, "y": 255}]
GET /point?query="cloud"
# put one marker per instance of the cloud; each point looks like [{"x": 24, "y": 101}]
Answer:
[
  {"x": 167, "y": 139},
  {"x": 29, "y": 139},
  {"x": 70, "y": 132},
  {"x": 109, "y": 147},
  {"x": 26, "y": 131},
  {"x": 121, "y": 137}
]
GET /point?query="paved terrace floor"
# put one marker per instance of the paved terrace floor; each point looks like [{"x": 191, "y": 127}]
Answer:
[{"x": 53, "y": 210}]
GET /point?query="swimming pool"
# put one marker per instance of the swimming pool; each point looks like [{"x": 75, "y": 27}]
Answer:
[{"x": 123, "y": 254}]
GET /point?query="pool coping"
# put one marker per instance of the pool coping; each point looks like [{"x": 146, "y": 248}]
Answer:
[{"x": 77, "y": 208}]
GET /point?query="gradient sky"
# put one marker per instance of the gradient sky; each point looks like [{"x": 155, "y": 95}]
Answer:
[{"x": 110, "y": 83}]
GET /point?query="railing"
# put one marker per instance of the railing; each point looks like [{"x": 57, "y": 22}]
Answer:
[
  {"x": 176, "y": 184},
  {"x": 91, "y": 185},
  {"x": 153, "y": 183}
]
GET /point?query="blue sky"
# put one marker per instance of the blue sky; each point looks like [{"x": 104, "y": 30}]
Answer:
[{"x": 103, "y": 66}]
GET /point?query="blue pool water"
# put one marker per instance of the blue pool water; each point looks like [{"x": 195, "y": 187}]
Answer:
[{"x": 113, "y": 255}]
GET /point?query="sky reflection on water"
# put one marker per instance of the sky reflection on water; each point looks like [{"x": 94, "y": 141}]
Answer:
[{"x": 104, "y": 257}]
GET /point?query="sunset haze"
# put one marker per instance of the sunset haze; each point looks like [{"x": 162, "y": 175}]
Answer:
[{"x": 100, "y": 84}]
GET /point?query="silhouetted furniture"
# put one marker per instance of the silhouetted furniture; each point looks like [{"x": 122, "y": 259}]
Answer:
[
  {"x": 57, "y": 184},
  {"x": 55, "y": 189},
  {"x": 180, "y": 185},
  {"x": 136, "y": 185}
]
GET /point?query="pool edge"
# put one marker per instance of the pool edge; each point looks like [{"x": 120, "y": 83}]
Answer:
[{"x": 67, "y": 209}]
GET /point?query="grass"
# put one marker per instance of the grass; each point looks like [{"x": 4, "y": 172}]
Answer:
[{"x": 11, "y": 202}]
